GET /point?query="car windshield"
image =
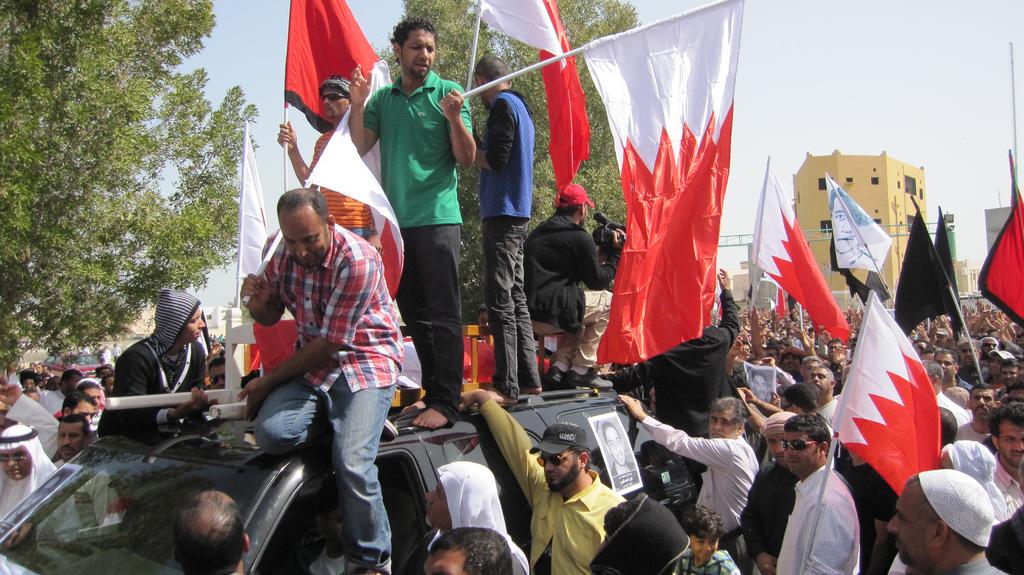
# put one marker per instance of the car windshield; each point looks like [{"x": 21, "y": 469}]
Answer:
[{"x": 113, "y": 511}]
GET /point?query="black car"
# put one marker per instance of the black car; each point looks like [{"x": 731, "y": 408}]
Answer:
[{"x": 112, "y": 507}]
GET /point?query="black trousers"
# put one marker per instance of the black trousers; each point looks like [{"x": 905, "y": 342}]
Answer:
[{"x": 429, "y": 300}]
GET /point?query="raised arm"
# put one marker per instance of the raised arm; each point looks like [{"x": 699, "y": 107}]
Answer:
[{"x": 363, "y": 137}]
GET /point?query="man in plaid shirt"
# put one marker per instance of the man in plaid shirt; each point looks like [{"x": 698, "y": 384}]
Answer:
[{"x": 340, "y": 380}]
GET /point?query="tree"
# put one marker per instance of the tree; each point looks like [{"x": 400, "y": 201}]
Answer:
[
  {"x": 584, "y": 20},
  {"x": 97, "y": 123}
]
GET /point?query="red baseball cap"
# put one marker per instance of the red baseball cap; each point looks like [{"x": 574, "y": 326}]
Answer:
[{"x": 572, "y": 195}]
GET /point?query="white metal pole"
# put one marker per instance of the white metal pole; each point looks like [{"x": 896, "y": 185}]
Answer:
[
  {"x": 472, "y": 51},
  {"x": 1013, "y": 108},
  {"x": 284, "y": 155}
]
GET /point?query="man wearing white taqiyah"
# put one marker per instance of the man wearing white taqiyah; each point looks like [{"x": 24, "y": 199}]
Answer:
[
  {"x": 942, "y": 524},
  {"x": 467, "y": 496},
  {"x": 25, "y": 466}
]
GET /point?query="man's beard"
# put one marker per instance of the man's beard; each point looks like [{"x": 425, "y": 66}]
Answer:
[{"x": 565, "y": 481}]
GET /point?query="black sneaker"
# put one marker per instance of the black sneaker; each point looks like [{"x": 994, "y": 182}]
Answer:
[
  {"x": 589, "y": 379},
  {"x": 554, "y": 379}
]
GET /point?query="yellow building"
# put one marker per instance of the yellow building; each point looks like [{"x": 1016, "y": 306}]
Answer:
[{"x": 881, "y": 185}]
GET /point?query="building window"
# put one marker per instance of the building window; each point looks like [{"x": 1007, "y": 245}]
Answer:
[
  {"x": 826, "y": 226},
  {"x": 821, "y": 184},
  {"x": 878, "y": 221},
  {"x": 874, "y": 180},
  {"x": 898, "y": 184},
  {"x": 849, "y": 180},
  {"x": 911, "y": 185}
]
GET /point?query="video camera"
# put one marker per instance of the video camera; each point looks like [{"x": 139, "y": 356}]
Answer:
[{"x": 604, "y": 234}]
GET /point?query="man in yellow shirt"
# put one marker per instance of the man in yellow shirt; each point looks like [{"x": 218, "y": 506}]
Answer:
[{"x": 568, "y": 500}]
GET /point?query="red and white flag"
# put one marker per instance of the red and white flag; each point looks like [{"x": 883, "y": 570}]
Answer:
[
  {"x": 536, "y": 23},
  {"x": 887, "y": 412},
  {"x": 780, "y": 304},
  {"x": 782, "y": 252},
  {"x": 341, "y": 168},
  {"x": 668, "y": 90},
  {"x": 324, "y": 40},
  {"x": 252, "y": 220}
]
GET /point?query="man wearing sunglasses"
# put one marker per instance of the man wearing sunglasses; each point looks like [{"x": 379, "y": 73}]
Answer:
[
  {"x": 350, "y": 214},
  {"x": 567, "y": 498},
  {"x": 836, "y": 544}
]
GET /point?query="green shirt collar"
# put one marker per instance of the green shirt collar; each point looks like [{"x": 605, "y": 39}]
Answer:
[{"x": 430, "y": 83}]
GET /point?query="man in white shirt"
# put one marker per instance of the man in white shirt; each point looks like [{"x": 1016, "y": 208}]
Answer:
[
  {"x": 835, "y": 547},
  {"x": 936, "y": 375},
  {"x": 982, "y": 402},
  {"x": 731, "y": 464},
  {"x": 823, "y": 378},
  {"x": 1007, "y": 427}
]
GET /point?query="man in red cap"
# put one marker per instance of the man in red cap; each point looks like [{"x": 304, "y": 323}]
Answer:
[{"x": 559, "y": 255}]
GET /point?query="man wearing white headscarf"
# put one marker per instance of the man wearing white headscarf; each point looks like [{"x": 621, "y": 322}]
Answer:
[
  {"x": 467, "y": 496},
  {"x": 976, "y": 460},
  {"x": 25, "y": 466}
]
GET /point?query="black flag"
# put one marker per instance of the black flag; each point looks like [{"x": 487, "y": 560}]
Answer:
[
  {"x": 945, "y": 251},
  {"x": 923, "y": 291}
]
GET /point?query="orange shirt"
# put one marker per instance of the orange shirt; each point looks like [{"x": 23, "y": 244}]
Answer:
[{"x": 348, "y": 213}]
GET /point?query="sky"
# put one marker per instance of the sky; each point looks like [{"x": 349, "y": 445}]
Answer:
[{"x": 926, "y": 81}]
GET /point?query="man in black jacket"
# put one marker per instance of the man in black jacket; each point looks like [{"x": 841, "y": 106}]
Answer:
[
  {"x": 560, "y": 254},
  {"x": 172, "y": 360},
  {"x": 688, "y": 377}
]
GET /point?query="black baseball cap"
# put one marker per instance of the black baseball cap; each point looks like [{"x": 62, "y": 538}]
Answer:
[{"x": 562, "y": 436}]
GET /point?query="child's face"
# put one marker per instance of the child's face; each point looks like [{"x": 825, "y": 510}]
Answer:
[{"x": 703, "y": 549}]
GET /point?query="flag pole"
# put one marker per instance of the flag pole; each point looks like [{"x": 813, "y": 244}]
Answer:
[
  {"x": 472, "y": 51},
  {"x": 592, "y": 44},
  {"x": 1013, "y": 107},
  {"x": 241, "y": 216},
  {"x": 284, "y": 154}
]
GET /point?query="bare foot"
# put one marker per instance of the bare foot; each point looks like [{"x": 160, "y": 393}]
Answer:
[
  {"x": 417, "y": 407},
  {"x": 430, "y": 418}
]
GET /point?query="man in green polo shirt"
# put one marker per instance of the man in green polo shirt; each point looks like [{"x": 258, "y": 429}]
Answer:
[{"x": 424, "y": 128}]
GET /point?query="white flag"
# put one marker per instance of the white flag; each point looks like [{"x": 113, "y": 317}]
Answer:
[
  {"x": 340, "y": 168},
  {"x": 252, "y": 221},
  {"x": 525, "y": 20},
  {"x": 860, "y": 242}
]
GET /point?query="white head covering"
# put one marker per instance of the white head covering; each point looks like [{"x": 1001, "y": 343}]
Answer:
[
  {"x": 472, "y": 495},
  {"x": 961, "y": 502},
  {"x": 974, "y": 459},
  {"x": 13, "y": 492}
]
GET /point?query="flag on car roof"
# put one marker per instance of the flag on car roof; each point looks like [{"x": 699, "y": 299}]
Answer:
[
  {"x": 782, "y": 252},
  {"x": 324, "y": 40},
  {"x": 668, "y": 88},
  {"x": 1001, "y": 279},
  {"x": 341, "y": 168},
  {"x": 252, "y": 220},
  {"x": 887, "y": 413},
  {"x": 536, "y": 23}
]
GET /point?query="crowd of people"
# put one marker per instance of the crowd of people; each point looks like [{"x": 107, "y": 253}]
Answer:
[{"x": 771, "y": 497}]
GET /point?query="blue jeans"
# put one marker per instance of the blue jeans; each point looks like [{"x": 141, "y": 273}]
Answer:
[
  {"x": 515, "y": 350},
  {"x": 297, "y": 414}
]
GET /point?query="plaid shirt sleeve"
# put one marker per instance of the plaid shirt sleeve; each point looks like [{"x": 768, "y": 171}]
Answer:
[{"x": 354, "y": 289}]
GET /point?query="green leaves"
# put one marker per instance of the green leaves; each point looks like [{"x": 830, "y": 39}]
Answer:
[{"x": 117, "y": 176}]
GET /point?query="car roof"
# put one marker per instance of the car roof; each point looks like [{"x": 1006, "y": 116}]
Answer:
[{"x": 231, "y": 444}]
